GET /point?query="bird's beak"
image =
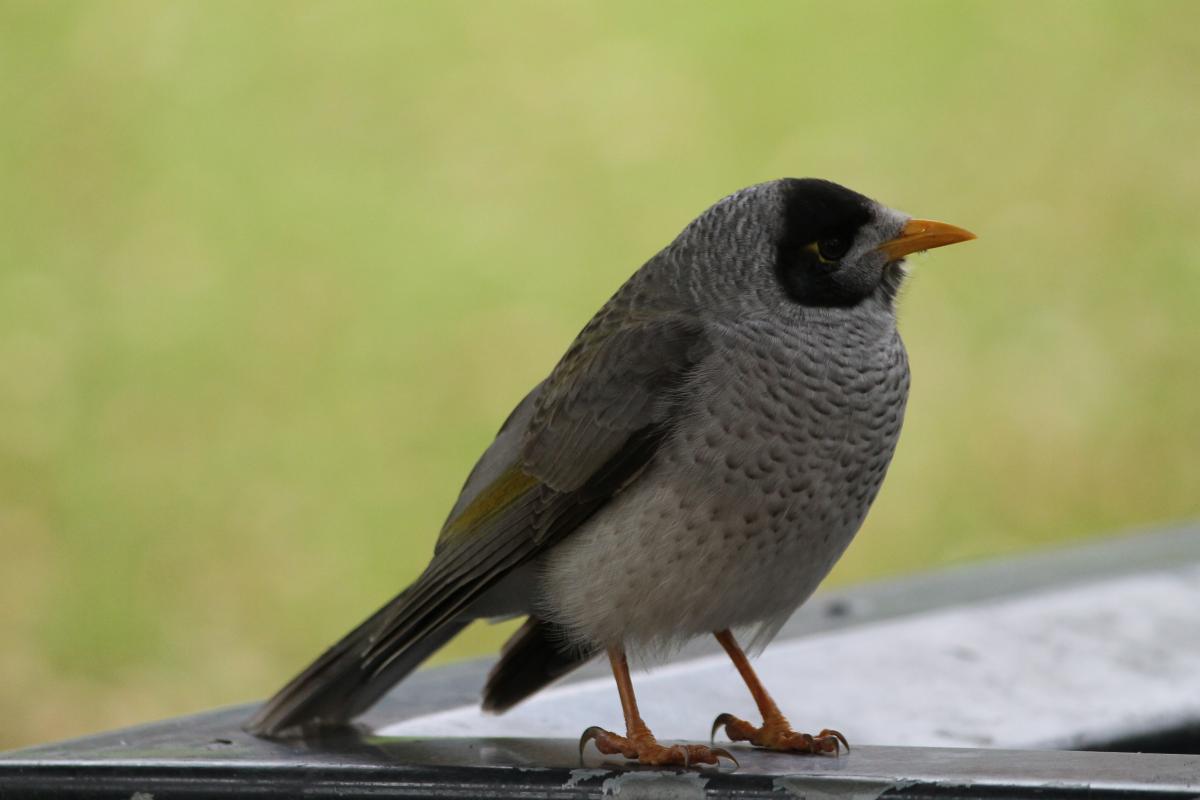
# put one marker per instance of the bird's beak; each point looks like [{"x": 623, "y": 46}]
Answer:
[{"x": 923, "y": 234}]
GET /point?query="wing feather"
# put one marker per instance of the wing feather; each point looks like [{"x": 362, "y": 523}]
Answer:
[{"x": 571, "y": 445}]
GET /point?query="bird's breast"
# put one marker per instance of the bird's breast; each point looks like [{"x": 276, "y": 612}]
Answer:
[
  {"x": 796, "y": 417},
  {"x": 768, "y": 475}
]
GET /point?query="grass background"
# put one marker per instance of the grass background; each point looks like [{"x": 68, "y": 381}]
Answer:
[{"x": 271, "y": 274}]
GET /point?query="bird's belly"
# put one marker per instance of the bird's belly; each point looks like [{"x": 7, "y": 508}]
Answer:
[{"x": 698, "y": 546}]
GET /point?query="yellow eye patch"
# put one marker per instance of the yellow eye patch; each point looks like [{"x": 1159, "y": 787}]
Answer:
[{"x": 815, "y": 249}]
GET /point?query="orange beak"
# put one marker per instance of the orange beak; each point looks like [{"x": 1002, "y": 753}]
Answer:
[{"x": 923, "y": 234}]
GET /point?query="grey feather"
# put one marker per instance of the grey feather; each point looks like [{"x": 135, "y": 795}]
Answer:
[
  {"x": 477, "y": 549},
  {"x": 616, "y": 379}
]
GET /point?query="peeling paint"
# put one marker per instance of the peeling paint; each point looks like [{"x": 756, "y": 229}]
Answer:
[
  {"x": 655, "y": 786},
  {"x": 814, "y": 788},
  {"x": 580, "y": 775}
]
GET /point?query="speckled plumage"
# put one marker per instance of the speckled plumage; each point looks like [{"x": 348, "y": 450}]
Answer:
[
  {"x": 698, "y": 460},
  {"x": 780, "y": 438},
  {"x": 778, "y": 451}
]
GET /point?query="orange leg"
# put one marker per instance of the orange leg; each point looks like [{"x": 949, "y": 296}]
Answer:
[
  {"x": 776, "y": 732},
  {"x": 638, "y": 742}
]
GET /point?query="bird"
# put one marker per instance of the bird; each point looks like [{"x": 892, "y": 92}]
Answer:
[{"x": 694, "y": 465}]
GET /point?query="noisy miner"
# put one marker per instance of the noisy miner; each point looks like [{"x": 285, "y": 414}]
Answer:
[{"x": 695, "y": 464}]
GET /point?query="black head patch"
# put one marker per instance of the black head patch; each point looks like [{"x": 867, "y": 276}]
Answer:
[{"x": 821, "y": 221}]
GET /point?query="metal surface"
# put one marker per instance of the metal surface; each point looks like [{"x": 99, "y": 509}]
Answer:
[
  {"x": 207, "y": 756},
  {"x": 1017, "y": 672},
  {"x": 1095, "y": 648},
  {"x": 1105, "y": 569},
  {"x": 976, "y": 587}
]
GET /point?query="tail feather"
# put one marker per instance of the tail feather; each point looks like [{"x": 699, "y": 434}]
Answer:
[
  {"x": 341, "y": 684},
  {"x": 535, "y": 656}
]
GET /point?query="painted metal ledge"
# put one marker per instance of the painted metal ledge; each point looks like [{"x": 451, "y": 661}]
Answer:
[
  {"x": 370, "y": 766},
  {"x": 1000, "y": 672}
]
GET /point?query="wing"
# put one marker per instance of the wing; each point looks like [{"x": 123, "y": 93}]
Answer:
[
  {"x": 570, "y": 446},
  {"x": 614, "y": 382},
  {"x": 617, "y": 387}
]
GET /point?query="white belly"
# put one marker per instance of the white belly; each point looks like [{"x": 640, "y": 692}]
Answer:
[
  {"x": 661, "y": 568},
  {"x": 717, "y": 535}
]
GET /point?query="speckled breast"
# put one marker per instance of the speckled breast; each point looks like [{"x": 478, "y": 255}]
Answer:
[{"x": 769, "y": 475}]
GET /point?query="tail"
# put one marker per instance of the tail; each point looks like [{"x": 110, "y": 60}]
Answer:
[
  {"x": 347, "y": 679},
  {"x": 536, "y": 655}
]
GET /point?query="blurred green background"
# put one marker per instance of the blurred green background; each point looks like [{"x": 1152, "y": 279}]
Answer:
[{"x": 271, "y": 275}]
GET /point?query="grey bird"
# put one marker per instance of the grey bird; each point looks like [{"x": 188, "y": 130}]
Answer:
[{"x": 695, "y": 464}]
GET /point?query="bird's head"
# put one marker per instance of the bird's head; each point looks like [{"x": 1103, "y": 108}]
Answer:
[{"x": 809, "y": 243}]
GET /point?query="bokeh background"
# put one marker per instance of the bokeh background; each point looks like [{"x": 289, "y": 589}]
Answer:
[{"x": 271, "y": 275}]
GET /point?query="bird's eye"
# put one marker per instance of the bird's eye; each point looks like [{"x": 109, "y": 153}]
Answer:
[{"x": 833, "y": 248}]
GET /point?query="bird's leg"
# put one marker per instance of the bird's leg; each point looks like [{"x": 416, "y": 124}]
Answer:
[
  {"x": 776, "y": 732},
  {"x": 638, "y": 742}
]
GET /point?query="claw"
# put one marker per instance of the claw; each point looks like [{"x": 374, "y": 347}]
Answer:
[
  {"x": 721, "y": 751},
  {"x": 589, "y": 735},
  {"x": 721, "y": 719},
  {"x": 830, "y": 733},
  {"x": 643, "y": 747},
  {"x": 777, "y": 734}
]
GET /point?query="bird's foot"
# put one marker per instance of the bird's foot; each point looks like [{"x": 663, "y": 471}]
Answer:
[
  {"x": 777, "y": 734},
  {"x": 643, "y": 747}
]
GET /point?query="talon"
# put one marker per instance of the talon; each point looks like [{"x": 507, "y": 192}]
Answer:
[
  {"x": 722, "y": 719},
  {"x": 718, "y": 752},
  {"x": 828, "y": 733},
  {"x": 775, "y": 733},
  {"x": 639, "y": 742},
  {"x": 589, "y": 735}
]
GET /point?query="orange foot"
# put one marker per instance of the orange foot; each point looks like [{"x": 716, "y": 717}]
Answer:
[
  {"x": 646, "y": 749},
  {"x": 777, "y": 734}
]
